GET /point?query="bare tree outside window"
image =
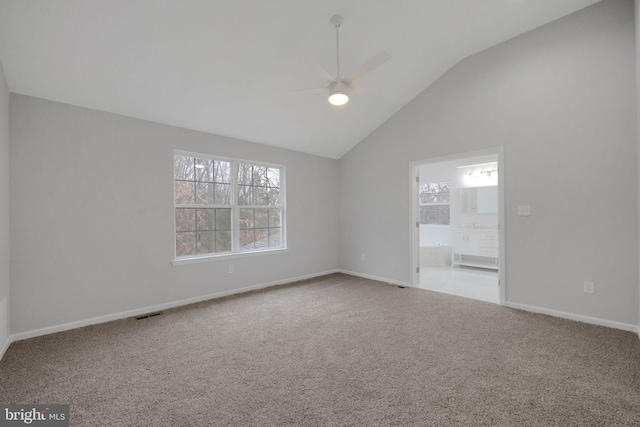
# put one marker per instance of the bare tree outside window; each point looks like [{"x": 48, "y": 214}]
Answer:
[
  {"x": 435, "y": 202},
  {"x": 202, "y": 205},
  {"x": 209, "y": 219},
  {"x": 259, "y": 198}
]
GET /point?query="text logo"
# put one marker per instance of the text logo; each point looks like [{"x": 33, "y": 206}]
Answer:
[{"x": 34, "y": 415}]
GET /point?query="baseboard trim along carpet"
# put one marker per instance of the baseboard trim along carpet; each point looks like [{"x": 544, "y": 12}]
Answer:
[
  {"x": 136, "y": 312},
  {"x": 372, "y": 277},
  {"x": 149, "y": 309},
  {"x": 5, "y": 347},
  {"x": 5, "y": 333},
  {"x": 577, "y": 317},
  {"x": 525, "y": 307}
]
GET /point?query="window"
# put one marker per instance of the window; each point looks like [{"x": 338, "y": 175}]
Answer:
[
  {"x": 226, "y": 206},
  {"x": 260, "y": 212},
  {"x": 435, "y": 199}
]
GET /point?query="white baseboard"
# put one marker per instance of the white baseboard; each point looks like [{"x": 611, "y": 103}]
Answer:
[
  {"x": 531, "y": 308},
  {"x": 379, "y": 279},
  {"x": 5, "y": 347},
  {"x": 150, "y": 309},
  {"x": 173, "y": 304},
  {"x": 5, "y": 336},
  {"x": 578, "y": 317}
]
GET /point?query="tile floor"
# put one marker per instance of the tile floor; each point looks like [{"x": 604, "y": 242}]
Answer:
[{"x": 476, "y": 283}]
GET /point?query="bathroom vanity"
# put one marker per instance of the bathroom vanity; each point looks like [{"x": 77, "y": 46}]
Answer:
[{"x": 475, "y": 247}]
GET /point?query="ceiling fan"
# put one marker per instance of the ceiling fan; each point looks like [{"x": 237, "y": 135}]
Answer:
[{"x": 339, "y": 87}]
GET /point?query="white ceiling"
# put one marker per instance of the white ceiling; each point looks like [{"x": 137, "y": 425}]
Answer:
[{"x": 223, "y": 66}]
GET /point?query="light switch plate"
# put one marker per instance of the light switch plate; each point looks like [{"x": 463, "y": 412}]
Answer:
[{"x": 524, "y": 210}]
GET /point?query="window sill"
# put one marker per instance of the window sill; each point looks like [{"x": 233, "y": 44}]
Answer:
[{"x": 224, "y": 257}]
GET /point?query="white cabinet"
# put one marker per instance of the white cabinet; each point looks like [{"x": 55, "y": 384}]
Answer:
[{"x": 475, "y": 248}]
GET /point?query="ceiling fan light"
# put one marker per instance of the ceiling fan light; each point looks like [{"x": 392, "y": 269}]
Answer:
[{"x": 338, "y": 98}]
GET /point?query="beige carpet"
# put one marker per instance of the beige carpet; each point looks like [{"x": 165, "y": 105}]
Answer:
[{"x": 333, "y": 351}]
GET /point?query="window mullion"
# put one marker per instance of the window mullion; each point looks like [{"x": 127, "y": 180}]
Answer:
[
  {"x": 202, "y": 206},
  {"x": 235, "y": 211},
  {"x": 435, "y": 204}
]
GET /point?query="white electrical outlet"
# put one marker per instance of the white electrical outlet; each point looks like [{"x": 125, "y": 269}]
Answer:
[
  {"x": 231, "y": 269},
  {"x": 589, "y": 288}
]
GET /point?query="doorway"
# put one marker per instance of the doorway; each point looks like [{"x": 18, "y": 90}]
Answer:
[{"x": 457, "y": 212}]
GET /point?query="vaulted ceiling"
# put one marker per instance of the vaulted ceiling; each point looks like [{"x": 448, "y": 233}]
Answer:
[{"x": 225, "y": 66}]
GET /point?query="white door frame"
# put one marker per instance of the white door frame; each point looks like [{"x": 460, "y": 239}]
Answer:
[{"x": 415, "y": 219}]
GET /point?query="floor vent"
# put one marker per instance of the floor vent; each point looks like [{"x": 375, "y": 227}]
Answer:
[{"x": 146, "y": 316}]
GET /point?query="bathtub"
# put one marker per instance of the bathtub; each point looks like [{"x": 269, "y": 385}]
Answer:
[{"x": 433, "y": 255}]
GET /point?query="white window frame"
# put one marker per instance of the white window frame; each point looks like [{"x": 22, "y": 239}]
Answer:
[
  {"x": 420, "y": 204},
  {"x": 235, "y": 212}
]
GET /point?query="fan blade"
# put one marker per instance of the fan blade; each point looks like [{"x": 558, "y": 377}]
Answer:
[
  {"x": 357, "y": 90},
  {"x": 368, "y": 66},
  {"x": 305, "y": 91},
  {"x": 321, "y": 72}
]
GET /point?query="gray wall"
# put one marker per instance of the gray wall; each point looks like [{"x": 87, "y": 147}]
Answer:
[
  {"x": 92, "y": 215},
  {"x": 637, "y": 23},
  {"x": 91, "y": 205},
  {"x": 561, "y": 101},
  {"x": 4, "y": 210}
]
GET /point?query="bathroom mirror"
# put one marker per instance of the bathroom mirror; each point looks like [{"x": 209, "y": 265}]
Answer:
[{"x": 479, "y": 200}]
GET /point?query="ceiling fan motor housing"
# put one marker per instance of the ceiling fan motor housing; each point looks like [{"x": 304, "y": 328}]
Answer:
[
  {"x": 338, "y": 86},
  {"x": 335, "y": 21}
]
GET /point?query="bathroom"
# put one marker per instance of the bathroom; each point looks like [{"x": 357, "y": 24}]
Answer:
[{"x": 459, "y": 227}]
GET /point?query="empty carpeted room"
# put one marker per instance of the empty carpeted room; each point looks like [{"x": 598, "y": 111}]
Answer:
[{"x": 209, "y": 212}]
